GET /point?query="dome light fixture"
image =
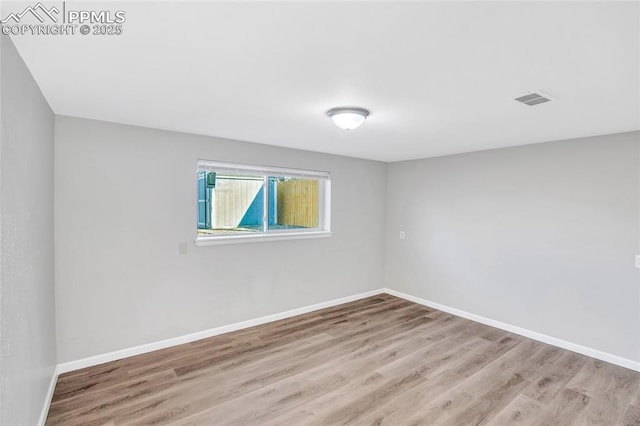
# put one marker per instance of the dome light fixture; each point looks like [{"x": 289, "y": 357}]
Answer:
[{"x": 348, "y": 118}]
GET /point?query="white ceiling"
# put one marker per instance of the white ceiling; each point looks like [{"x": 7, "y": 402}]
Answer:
[{"x": 438, "y": 77}]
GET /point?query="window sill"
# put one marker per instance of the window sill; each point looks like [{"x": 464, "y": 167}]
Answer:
[{"x": 235, "y": 239}]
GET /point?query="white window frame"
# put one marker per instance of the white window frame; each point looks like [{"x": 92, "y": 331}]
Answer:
[{"x": 324, "y": 204}]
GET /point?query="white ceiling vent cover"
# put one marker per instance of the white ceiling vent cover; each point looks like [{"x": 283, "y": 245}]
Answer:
[{"x": 533, "y": 98}]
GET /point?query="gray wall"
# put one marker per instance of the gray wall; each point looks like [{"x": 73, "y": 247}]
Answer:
[
  {"x": 541, "y": 236},
  {"x": 126, "y": 198},
  {"x": 27, "y": 317}
]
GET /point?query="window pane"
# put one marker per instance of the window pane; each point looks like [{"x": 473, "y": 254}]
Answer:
[
  {"x": 293, "y": 203},
  {"x": 235, "y": 204}
]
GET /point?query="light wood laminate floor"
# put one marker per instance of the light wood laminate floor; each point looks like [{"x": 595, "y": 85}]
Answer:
[{"x": 376, "y": 361}]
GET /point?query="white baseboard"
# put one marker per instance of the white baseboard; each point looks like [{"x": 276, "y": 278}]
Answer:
[
  {"x": 574, "y": 347},
  {"x": 149, "y": 347},
  {"x": 48, "y": 397}
]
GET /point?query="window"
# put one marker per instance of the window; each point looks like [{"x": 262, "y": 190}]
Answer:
[{"x": 241, "y": 202}]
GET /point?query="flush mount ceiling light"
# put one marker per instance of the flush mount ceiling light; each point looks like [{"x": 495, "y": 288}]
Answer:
[{"x": 348, "y": 118}]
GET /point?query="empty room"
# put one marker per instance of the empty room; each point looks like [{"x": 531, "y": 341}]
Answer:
[{"x": 320, "y": 213}]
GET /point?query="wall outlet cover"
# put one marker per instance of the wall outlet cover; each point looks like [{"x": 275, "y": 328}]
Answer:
[{"x": 183, "y": 248}]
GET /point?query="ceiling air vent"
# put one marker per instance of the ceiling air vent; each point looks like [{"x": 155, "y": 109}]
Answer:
[{"x": 534, "y": 98}]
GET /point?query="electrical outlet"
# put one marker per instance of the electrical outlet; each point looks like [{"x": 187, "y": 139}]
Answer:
[
  {"x": 638, "y": 261},
  {"x": 402, "y": 235},
  {"x": 183, "y": 248}
]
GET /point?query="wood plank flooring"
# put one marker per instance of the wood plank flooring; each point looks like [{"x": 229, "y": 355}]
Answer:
[{"x": 376, "y": 361}]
